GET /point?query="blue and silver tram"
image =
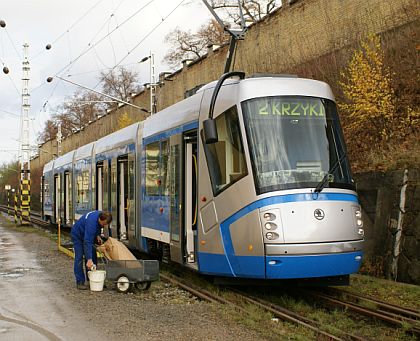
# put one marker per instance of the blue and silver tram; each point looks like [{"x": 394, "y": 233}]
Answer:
[{"x": 265, "y": 193}]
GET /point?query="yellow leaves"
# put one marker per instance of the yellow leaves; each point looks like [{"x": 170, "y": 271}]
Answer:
[
  {"x": 367, "y": 86},
  {"x": 124, "y": 121},
  {"x": 382, "y": 132}
]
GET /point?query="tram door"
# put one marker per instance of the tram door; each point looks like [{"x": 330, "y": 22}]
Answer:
[
  {"x": 103, "y": 189},
  {"x": 67, "y": 198},
  {"x": 122, "y": 198},
  {"x": 57, "y": 198},
  {"x": 114, "y": 198},
  {"x": 41, "y": 197},
  {"x": 99, "y": 187},
  {"x": 131, "y": 205},
  {"x": 183, "y": 203}
]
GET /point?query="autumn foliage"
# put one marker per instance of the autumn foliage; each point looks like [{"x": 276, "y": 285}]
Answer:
[{"x": 380, "y": 133}]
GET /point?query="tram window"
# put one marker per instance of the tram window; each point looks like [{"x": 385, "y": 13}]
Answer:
[
  {"x": 226, "y": 158},
  {"x": 164, "y": 167},
  {"x": 152, "y": 168},
  {"x": 82, "y": 183}
]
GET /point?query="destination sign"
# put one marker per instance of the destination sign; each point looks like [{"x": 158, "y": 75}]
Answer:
[{"x": 295, "y": 107}]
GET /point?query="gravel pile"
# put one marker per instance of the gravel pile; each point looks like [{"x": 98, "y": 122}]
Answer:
[{"x": 162, "y": 312}]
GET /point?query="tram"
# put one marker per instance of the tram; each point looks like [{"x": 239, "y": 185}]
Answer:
[{"x": 246, "y": 179}]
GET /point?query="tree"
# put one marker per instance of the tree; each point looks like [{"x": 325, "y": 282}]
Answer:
[
  {"x": 119, "y": 83},
  {"x": 378, "y": 133},
  {"x": 367, "y": 86},
  {"x": 49, "y": 132},
  {"x": 85, "y": 106},
  {"x": 253, "y": 10},
  {"x": 188, "y": 45},
  {"x": 78, "y": 111}
]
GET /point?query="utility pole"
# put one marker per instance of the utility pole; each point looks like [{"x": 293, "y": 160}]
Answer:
[
  {"x": 25, "y": 172},
  {"x": 152, "y": 84}
]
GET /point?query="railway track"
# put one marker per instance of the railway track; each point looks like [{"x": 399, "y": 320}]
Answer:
[
  {"x": 35, "y": 216},
  {"x": 407, "y": 319},
  {"x": 238, "y": 299}
]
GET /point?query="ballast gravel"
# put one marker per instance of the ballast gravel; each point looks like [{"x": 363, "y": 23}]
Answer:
[{"x": 164, "y": 312}]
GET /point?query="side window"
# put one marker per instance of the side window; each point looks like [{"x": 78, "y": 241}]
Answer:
[
  {"x": 226, "y": 158},
  {"x": 82, "y": 187},
  {"x": 152, "y": 169},
  {"x": 164, "y": 167}
]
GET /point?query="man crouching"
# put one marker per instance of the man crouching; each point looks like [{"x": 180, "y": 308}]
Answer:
[{"x": 84, "y": 233}]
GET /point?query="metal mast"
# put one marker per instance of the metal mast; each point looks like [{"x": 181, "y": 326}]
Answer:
[
  {"x": 152, "y": 84},
  {"x": 25, "y": 175}
]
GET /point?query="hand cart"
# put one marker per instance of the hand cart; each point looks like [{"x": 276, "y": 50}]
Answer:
[{"x": 127, "y": 274}]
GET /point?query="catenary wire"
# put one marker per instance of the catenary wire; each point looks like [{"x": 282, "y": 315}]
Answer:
[
  {"x": 143, "y": 39},
  {"x": 90, "y": 45},
  {"x": 70, "y": 28}
]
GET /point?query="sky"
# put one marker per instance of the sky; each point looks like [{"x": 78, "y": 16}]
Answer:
[{"x": 86, "y": 37}]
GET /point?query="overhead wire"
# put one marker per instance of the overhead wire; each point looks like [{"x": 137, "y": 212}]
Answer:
[
  {"x": 144, "y": 38},
  {"x": 13, "y": 44},
  {"x": 70, "y": 28},
  {"x": 91, "y": 45},
  {"x": 94, "y": 37},
  {"x": 2, "y": 59},
  {"x": 10, "y": 113}
]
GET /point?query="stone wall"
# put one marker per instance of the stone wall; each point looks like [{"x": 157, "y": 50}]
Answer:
[
  {"x": 380, "y": 195},
  {"x": 293, "y": 35}
]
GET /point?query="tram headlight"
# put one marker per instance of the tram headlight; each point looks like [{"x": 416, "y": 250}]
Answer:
[
  {"x": 269, "y": 216},
  {"x": 359, "y": 221},
  {"x": 270, "y": 226},
  {"x": 271, "y": 235}
]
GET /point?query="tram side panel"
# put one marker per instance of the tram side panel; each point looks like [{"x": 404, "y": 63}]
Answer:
[
  {"x": 47, "y": 195},
  {"x": 230, "y": 240}
]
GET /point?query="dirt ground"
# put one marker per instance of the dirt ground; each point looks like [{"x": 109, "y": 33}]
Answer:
[{"x": 162, "y": 312}]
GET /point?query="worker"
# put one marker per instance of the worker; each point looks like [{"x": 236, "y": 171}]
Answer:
[{"x": 84, "y": 233}]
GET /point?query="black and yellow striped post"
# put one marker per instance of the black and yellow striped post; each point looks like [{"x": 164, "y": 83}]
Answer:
[
  {"x": 25, "y": 200},
  {"x": 16, "y": 207}
]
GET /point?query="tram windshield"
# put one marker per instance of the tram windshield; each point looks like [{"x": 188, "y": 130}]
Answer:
[{"x": 294, "y": 142}]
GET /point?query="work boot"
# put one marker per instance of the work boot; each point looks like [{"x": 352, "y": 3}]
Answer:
[{"x": 82, "y": 286}]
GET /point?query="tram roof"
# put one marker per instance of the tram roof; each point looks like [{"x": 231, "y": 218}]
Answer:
[
  {"x": 64, "y": 160},
  {"x": 83, "y": 152},
  {"x": 121, "y": 137}
]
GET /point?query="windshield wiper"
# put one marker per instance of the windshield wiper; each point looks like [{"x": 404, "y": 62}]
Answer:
[{"x": 324, "y": 181}]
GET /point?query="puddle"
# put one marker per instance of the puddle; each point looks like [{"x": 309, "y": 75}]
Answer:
[
  {"x": 11, "y": 274},
  {"x": 6, "y": 244},
  {"x": 17, "y": 272}
]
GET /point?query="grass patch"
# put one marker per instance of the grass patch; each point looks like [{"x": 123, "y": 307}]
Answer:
[{"x": 401, "y": 294}]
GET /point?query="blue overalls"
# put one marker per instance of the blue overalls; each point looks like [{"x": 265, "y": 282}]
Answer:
[{"x": 83, "y": 235}]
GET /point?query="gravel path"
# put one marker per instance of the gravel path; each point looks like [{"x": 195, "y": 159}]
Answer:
[{"x": 163, "y": 312}]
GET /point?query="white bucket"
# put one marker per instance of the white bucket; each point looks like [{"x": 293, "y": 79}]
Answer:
[{"x": 96, "y": 280}]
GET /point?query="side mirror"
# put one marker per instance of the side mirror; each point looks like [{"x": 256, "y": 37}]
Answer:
[{"x": 210, "y": 131}]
